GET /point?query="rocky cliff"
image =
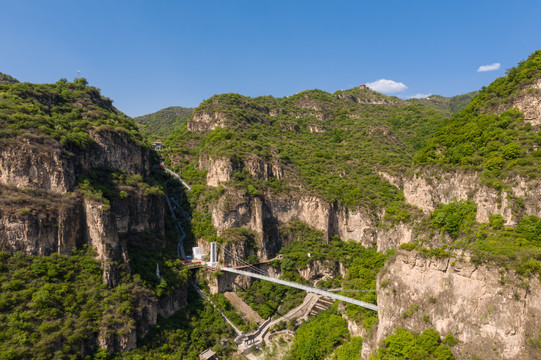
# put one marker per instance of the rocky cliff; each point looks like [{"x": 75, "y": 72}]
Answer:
[
  {"x": 42, "y": 212},
  {"x": 492, "y": 312}
]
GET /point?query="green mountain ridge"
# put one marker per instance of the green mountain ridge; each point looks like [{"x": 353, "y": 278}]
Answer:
[
  {"x": 160, "y": 124},
  {"x": 333, "y": 144}
]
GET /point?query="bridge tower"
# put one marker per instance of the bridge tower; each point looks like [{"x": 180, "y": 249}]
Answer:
[{"x": 213, "y": 255}]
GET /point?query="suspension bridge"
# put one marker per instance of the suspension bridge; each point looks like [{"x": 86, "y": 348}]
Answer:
[
  {"x": 257, "y": 273},
  {"x": 247, "y": 268}
]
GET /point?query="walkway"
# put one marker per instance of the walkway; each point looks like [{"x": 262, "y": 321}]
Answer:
[
  {"x": 175, "y": 175},
  {"x": 309, "y": 289}
]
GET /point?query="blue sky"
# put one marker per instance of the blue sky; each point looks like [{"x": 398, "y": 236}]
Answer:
[{"x": 147, "y": 55}]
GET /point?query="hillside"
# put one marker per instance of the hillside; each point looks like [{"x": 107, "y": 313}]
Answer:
[
  {"x": 449, "y": 189},
  {"x": 78, "y": 204},
  {"x": 332, "y": 145},
  {"x": 446, "y": 105},
  {"x": 7, "y": 79},
  {"x": 428, "y": 208},
  {"x": 158, "y": 125},
  {"x": 477, "y": 183}
]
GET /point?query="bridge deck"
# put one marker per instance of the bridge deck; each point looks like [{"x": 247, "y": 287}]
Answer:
[{"x": 303, "y": 287}]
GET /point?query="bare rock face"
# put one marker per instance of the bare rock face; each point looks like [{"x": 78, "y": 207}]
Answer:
[
  {"x": 41, "y": 231},
  {"x": 34, "y": 161},
  {"x": 113, "y": 149},
  {"x": 430, "y": 188},
  {"x": 393, "y": 237},
  {"x": 43, "y": 163},
  {"x": 206, "y": 121},
  {"x": 263, "y": 170},
  {"x": 138, "y": 212},
  {"x": 492, "y": 312},
  {"x": 530, "y": 104},
  {"x": 263, "y": 215},
  {"x": 322, "y": 270},
  {"x": 355, "y": 224},
  {"x": 219, "y": 171}
]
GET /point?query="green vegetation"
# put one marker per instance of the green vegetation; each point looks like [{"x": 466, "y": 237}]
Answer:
[
  {"x": 53, "y": 306},
  {"x": 227, "y": 308},
  {"x": 460, "y": 102},
  {"x": 143, "y": 258},
  {"x": 187, "y": 333},
  {"x": 317, "y": 338},
  {"x": 498, "y": 145},
  {"x": 334, "y": 158},
  {"x": 105, "y": 185},
  {"x": 516, "y": 248},
  {"x": 455, "y": 217},
  {"x": 65, "y": 111},
  {"x": 267, "y": 298},
  {"x": 447, "y": 106},
  {"x": 404, "y": 344},
  {"x": 363, "y": 264},
  {"x": 160, "y": 124},
  {"x": 350, "y": 350},
  {"x": 6, "y": 79}
]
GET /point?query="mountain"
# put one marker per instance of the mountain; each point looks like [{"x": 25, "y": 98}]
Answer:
[
  {"x": 450, "y": 190},
  {"x": 447, "y": 105},
  {"x": 315, "y": 136},
  {"x": 82, "y": 219},
  {"x": 7, "y": 79},
  {"x": 428, "y": 208},
  {"x": 160, "y": 124}
]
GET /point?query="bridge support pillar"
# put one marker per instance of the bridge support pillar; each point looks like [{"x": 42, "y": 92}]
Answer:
[{"x": 213, "y": 255}]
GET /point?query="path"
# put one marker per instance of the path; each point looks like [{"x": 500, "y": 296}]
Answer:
[{"x": 309, "y": 289}]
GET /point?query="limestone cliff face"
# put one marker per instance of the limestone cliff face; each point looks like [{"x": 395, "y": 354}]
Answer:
[
  {"x": 34, "y": 161},
  {"x": 220, "y": 170},
  {"x": 53, "y": 224},
  {"x": 139, "y": 212},
  {"x": 264, "y": 214},
  {"x": 114, "y": 149},
  {"x": 42, "y": 231},
  {"x": 322, "y": 270},
  {"x": 393, "y": 237},
  {"x": 529, "y": 103},
  {"x": 206, "y": 121},
  {"x": 492, "y": 312},
  {"x": 429, "y": 188},
  {"x": 43, "y": 163}
]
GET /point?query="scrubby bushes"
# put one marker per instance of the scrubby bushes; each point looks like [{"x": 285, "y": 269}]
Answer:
[
  {"x": 53, "y": 306},
  {"x": 317, "y": 338},
  {"x": 64, "y": 111},
  {"x": 404, "y": 344}
]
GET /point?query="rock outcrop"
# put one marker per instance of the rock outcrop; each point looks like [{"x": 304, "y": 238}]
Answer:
[
  {"x": 529, "y": 102},
  {"x": 42, "y": 213},
  {"x": 430, "y": 187},
  {"x": 491, "y": 312},
  {"x": 206, "y": 121},
  {"x": 38, "y": 162}
]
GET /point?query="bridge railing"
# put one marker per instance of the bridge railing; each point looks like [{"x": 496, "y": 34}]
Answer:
[{"x": 303, "y": 287}]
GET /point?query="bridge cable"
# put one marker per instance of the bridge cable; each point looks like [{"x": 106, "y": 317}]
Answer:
[{"x": 242, "y": 262}]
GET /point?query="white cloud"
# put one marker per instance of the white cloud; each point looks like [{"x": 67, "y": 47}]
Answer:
[
  {"x": 418, "y": 96},
  {"x": 386, "y": 86},
  {"x": 490, "y": 67}
]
